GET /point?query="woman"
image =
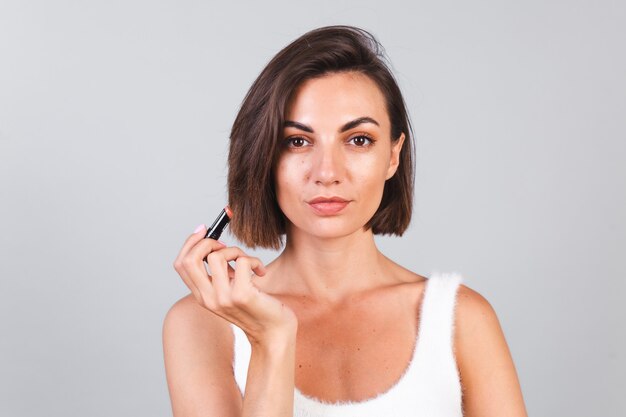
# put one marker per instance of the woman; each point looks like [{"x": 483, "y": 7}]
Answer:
[{"x": 321, "y": 153}]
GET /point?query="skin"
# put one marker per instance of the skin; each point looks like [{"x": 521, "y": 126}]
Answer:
[{"x": 331, "y": 303}]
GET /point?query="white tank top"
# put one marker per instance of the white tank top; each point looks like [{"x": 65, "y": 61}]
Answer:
[{"x": 430, "y": 385}]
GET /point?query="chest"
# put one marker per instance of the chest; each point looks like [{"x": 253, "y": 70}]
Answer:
[{"x": 356, "y": 353}]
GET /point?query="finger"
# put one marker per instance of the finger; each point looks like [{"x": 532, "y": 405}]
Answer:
[
  {"x": 181, "y": 270},
  {"x": 190, "y": 284},
  {"x": 228, "y": 254},
  {"x": 196, "y": 272},
  {"x": 233, "y": 255},
  {"x": 211, "y": 244},
  {"x": 220, "y": 277},
  {"x": 243, "y": 272},
  {"x": 203, "y": 247},
  {"x": 192, "y": 240},
  {"x": 260, "y": 269}
]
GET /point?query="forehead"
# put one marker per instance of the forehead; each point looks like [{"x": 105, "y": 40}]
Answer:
[{"x": 336, "y": 98}]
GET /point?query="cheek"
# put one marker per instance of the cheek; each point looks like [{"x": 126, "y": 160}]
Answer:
[
  {"x": 370, "y": 173},
  {"x": 286, "y": 177}
]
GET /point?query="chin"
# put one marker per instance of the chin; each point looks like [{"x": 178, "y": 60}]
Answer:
[{"x": 329, "y": 227}]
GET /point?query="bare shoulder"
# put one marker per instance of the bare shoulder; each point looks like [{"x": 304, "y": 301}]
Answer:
[
  {"x": 488, "y": 376},
  {"x": 472, "y": 310},
  {"x": 476, "y": 324},
  {"x": 189, "y": 319},
  {"x": 198, "y": 354}
]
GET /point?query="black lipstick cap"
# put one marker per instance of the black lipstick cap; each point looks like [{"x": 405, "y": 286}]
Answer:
[{"x": 216, "y": 229}]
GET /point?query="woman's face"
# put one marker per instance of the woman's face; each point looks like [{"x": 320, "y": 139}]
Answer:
[{"x": 336, "y": 144}]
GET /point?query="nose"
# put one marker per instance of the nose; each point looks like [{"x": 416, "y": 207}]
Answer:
[{"x": 328, "y": 166}]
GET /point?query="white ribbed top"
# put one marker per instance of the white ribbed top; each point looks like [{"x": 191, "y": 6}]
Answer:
[{"x": 430, "y": 385}]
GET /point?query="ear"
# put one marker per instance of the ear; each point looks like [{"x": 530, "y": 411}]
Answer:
[{"x": 394, "y": 160}]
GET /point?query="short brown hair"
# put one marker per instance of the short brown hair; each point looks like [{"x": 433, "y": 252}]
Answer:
[{"x": 257, "y": 129}]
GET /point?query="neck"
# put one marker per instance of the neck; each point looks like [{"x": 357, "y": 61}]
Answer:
[{"x": 329, "y": 270}]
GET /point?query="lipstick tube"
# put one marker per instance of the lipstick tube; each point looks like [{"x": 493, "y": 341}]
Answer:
[{"x": 220, "y": 223}]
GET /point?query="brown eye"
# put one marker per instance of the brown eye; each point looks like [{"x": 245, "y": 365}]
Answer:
[
  {"x": 362, "y": 141},
  {"x": 296, "y": 142}
]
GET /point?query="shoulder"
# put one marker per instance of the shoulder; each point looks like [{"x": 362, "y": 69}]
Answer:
[
  {"x": 473, "y": 311},
  {"x": 198, "y": 355},
  {"x": 489, "y": 380},
  {"x": 476, "y": 322},
  {"x": 201, "y": 334},
  {"x": 186, "y": 318}
]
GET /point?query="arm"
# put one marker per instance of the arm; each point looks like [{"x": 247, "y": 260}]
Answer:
[
  {"x": 198, "y": 353},
  {"x": 489, "y": 381}
]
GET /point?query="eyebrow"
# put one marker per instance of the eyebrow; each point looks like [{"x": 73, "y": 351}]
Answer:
[{"x": 352, "y": 124}]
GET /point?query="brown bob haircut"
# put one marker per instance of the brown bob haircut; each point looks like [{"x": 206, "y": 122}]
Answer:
[{"x": 258, "y": 128}]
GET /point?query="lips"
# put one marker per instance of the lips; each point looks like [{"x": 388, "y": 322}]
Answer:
[
  {"x": 327, "y": 200},
  {"x": 328, "y": 205}
]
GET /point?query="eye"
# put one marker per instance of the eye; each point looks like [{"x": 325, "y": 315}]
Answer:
[
  {"x": 361, "y": 141},
  {"x": 296, "y": 142}
]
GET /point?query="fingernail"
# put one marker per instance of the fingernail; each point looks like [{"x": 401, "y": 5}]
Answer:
[
  {"x": 222, "y": 243},
  {"x": 199, "y": 227}
]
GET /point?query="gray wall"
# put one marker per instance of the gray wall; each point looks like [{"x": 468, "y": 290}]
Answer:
[{"x": 114, "y": 121}]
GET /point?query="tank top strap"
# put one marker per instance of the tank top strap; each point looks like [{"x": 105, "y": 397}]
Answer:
[
  {"x": 437, "y": 312},
  {"x": 241, "y": 356}
]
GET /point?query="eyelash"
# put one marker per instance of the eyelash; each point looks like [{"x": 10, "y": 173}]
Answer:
[{"x": 289, "y": 140}]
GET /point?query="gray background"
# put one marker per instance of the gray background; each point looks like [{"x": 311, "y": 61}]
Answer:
[{"x": 114, "y": 123}]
